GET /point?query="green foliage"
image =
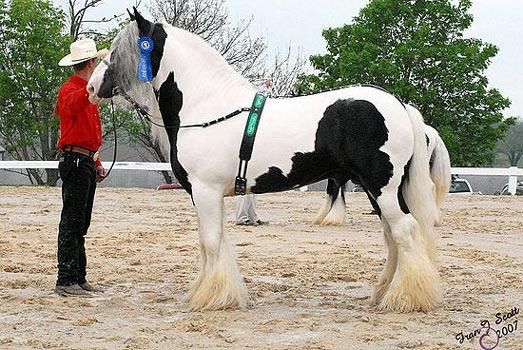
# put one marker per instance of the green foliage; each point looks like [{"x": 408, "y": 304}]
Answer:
[
  {"x": 512, "y": 144},
  {"x": 31, "y": 33},
  {"x": 416, "y": 50}
]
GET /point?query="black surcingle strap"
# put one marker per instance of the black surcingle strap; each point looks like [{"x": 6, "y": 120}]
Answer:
[{"x": 249, "y": 134}]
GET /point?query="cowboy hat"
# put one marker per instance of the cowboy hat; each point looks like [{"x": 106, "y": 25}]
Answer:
[{"x": 82, "y": 50}]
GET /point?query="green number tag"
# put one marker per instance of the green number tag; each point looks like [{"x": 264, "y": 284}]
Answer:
[
  {"x": 253, "y": 121},
  {"x": 259, "y": 101}
]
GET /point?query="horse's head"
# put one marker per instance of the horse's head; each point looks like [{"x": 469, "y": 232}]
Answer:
[{"x": 119, "y": 70}]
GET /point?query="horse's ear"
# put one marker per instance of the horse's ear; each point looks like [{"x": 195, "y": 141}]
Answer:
[
  {"x": 143, "y": 24},
  {"x": 131, "y": 16}
]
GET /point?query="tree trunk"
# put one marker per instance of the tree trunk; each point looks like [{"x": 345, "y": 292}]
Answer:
[
  {"x": 34, "y": 174},
  {"x": 517, "y": 157},
  {"x": 52, "y": 177},
  {"x": 167, "y": 177}
]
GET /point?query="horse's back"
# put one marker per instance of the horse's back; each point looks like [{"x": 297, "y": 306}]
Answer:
[{"x": 338, "y": 133}]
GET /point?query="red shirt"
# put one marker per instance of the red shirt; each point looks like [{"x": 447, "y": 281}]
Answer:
[{"x": 80, "y": 123}]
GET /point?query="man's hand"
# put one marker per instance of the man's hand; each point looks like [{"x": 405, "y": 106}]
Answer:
[{"x": 100, "y": 173}]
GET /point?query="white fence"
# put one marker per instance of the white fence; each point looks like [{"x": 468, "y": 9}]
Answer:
[
  {"x": 512, "y": 173},
  {"x": 54, "y": 165}
]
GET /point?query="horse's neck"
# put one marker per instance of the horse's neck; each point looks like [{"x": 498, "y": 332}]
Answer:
[{"x": 210, "y": 86}]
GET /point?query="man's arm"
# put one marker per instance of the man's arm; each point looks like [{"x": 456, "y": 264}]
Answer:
[
  {"x": 71, "y": 100},
  {"x": 100, "y": 171}
]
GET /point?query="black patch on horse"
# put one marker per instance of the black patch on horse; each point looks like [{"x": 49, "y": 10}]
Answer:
[
  {"x": 432, "y": 155},
  {"x": 347, "y": 146},
  {"x": 307, "y": 168},
  {"x": 170, "y": 101},
  {"x": 401, "y": 199}
]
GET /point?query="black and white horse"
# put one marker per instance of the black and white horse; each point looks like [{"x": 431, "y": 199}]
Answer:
[
  {"x": 333, "y": 210},
  {"x": 358, "y": 133}
]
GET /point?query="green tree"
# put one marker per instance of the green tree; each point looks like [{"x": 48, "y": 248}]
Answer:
[
  {"x": 416, "y": 50},
  {"x": 31, "y": 33},
  {"x": 512, "y": 144}
]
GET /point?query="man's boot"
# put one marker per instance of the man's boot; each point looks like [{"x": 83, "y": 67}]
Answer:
[
  {"x": 72, "y": 290},
  {"x": 90, "y": 288}
]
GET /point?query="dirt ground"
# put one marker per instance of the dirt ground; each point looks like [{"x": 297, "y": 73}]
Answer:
[{"x": 311, "y": 284}]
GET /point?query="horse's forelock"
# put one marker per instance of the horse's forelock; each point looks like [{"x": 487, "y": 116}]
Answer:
[{"x": 124, "y": 65}]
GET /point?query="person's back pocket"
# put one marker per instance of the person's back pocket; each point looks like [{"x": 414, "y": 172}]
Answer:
[{"x": 65, "y": 167}]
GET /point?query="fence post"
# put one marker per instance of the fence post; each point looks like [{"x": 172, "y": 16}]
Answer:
[{"x": 512, "y": 180}]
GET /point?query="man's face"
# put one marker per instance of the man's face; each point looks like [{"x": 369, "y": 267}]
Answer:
[{"x": 91, "y": 66}]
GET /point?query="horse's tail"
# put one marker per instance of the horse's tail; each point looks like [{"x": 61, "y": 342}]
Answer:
[
  {"x": 440, "y": 170},
  {"x": 418, "y": 186}
]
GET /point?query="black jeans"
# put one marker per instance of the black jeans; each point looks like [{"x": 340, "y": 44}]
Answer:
[{"x": 78, "y": 174}]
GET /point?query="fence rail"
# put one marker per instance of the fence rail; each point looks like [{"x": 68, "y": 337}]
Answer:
[
  {"x": 54, "y": 165},
  {"x": 512, "y": 173}
]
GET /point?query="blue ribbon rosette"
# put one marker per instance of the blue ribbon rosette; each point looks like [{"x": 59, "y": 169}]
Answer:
[{"x": 145, "y": 69}]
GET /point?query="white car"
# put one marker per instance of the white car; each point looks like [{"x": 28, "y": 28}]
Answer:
[
  {"x": 519, "y": 189},
  {"x": 460, "y": 186}
]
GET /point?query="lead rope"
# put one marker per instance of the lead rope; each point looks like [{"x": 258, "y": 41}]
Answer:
[{"x": 115, "y": 140}]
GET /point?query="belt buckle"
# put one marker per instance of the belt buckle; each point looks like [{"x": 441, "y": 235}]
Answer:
[{"x": 96, "y": 156}]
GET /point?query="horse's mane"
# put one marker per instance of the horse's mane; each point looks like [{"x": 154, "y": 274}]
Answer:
[
  {"x": 208, "y": 56},
  {"x": 125, "y": 54}
]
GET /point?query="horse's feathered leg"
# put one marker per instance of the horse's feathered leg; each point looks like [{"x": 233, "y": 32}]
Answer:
[
  {"x": 414, "y": 285},
  {"x": 410, "y": 215},
  {"x": 219, "y": 285},
  {"x": 331, "y": 192},
  {"x": 332, "y": 211},
  {"x": 337, "y": 213},
  {"x": 390, "y": 266}
]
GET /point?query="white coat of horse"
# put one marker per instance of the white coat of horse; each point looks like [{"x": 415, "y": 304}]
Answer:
[{"x": 357, "y": 132}]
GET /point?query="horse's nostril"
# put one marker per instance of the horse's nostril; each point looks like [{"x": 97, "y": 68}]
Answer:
[{"x": 90, "y": 89}]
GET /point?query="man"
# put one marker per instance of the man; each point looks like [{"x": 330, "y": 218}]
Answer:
[
  {"x": 246, "y": 211},
  {"x": 79, "y": 167}
]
